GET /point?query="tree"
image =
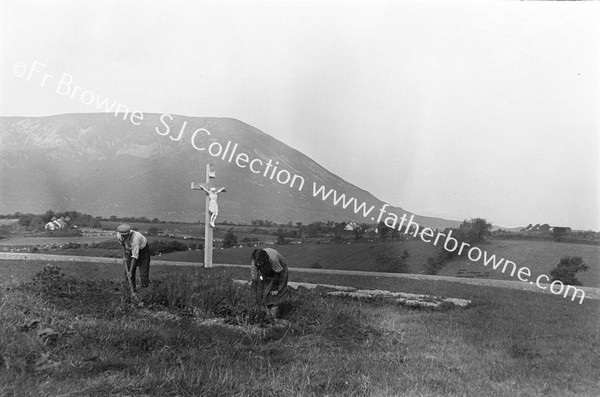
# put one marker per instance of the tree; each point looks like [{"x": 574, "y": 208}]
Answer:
[
  {"x": 558, "y": 233},
  {"x": 313, "y": 229},
  {"x": 567, "y": 268},
  {"x": 230, "y": 239},
  {"x": 383, "y": 230},
  {"x": 474, "y": 231},
  {"x": 48, "y": 216}
]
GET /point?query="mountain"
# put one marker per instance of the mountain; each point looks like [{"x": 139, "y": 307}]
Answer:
[{"x": 107, "y": 164}]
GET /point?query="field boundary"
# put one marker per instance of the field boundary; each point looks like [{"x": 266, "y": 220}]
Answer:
[{"x": 590, "y": 292}]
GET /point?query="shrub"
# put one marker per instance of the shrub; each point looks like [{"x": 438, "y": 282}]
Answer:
[
  {"x": 50, "y": 280},
  {"x": 316, "y": 265},
  {"x": 434, "y": 265},
  {"x": 166, "y": 246},
  {"x": 230, "y": 239},
  {"x": 567, "y": 268},
  {"x": 71, "y": 245},
  {"x": 391, "y": 264},
  {"x": 281, "y": 240}
]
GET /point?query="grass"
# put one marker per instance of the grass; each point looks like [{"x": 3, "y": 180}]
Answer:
[
  {"x": 360, "y": 256},
  {"x": 539, "y": 256},
  {"x": 509, "y": 343}
]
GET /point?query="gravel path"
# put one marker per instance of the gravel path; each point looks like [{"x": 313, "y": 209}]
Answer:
[{"x": 590, "y": 292}]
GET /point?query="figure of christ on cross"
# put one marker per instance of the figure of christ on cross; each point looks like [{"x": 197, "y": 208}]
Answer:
[{"x": 213, "y": 207}]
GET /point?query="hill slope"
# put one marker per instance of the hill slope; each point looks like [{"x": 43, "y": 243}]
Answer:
[{"x": 104, "y": 165}]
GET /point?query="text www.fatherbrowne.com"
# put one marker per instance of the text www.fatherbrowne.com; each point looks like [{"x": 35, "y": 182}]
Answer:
[{"x": 450, "y": 244}]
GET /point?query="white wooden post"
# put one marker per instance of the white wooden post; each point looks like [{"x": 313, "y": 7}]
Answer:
[{"x": 208, "y": 229}]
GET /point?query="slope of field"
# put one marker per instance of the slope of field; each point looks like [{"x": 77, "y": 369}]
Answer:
[{"x": 540, "y": 256}]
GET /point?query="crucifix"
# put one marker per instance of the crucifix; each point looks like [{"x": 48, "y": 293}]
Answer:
[{"x": 211, "y": 212}]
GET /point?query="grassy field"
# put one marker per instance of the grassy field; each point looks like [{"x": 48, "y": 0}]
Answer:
[
  {"x": 539, "y": 256},
  {"x": 509, "y": 343},
  {"x": 195, "y": 229},
  {"x": 37, "y": 241},
  {"x": 329, "y": 256}
]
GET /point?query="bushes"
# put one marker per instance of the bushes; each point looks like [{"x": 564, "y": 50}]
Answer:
[
  {"x": 567, "y": 268},
  {"x": 107, "y": 244},
  {"x": 391, "y": 264},
  {"x": 166, "y": 246},
  {"x": 230, "y": 239},
  {"x": 71, "y": 245},
  {"x": 156, "y": 247},
  {"x": 50, "y": 280}
]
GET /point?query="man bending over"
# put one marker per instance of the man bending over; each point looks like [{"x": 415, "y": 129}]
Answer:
[
  {"x": 136, "y": 253},
  {"x": 269, "y": 278}
]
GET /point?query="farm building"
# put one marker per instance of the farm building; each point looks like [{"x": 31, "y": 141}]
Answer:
[{"x": 57, "y": 224}]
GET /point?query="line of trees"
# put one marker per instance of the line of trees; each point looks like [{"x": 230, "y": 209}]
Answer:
[{"x": 37, "y": 222}]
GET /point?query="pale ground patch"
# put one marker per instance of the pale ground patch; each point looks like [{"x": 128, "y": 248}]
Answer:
[{"x": 402, "y": 298}]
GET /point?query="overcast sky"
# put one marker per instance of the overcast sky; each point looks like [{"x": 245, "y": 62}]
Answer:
[{"x": 450, "y": 109}]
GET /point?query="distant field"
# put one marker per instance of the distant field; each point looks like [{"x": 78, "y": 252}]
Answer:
[
  {"x": 192, "y": 229},
  {"x": 4, "y": 222},
  {"x": 539, "y": 256},
  {"x": 32, "y": 241},
  {"x": 328, "y": 256}
]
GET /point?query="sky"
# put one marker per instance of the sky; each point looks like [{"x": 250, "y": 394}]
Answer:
[{"x": 450, "y": 109}]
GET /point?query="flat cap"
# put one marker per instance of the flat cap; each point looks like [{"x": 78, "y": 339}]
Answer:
[{"x": 123, "y": 228}]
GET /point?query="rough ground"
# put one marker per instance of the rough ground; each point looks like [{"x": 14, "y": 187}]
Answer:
[{"x": 402, "y": 298}]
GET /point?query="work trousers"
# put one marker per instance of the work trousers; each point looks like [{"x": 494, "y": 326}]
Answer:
[{"x": 143, "y": 263}]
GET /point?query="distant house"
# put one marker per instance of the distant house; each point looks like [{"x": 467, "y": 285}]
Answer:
[
  {"x": 56, "y": 224},
  {"x": 537, "y": 228},
  {"x": 352, "y": 226}
]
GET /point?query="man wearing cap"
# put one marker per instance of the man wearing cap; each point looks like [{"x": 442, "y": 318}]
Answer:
[{"x": 136, "y": 253}]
